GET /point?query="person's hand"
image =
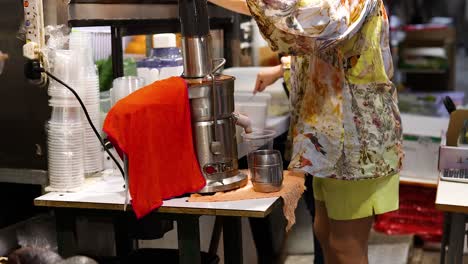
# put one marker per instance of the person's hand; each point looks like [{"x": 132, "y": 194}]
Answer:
[{"x": 267, "y": 77}]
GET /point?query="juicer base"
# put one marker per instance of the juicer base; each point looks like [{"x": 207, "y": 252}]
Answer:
[{"x": 228, "y": 184}]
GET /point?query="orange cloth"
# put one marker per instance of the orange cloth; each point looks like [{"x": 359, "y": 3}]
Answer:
[
  {"x": 291, "y": 192},
  {"x": 152, "y": 126}
]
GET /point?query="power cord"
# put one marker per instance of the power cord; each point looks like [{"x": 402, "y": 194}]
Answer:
[{"x": 38, "y": 69}]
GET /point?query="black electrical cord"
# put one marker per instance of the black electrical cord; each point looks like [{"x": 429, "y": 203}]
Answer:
[{"x": 87, "y": 118}]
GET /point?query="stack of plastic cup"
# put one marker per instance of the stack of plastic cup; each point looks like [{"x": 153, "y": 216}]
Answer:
[
  {"x": 65, "y": 68},
  {"x": 88, "y": 83},
  {"x": 65, "y": 145},
  {"x": 123, "y": 86},
  {"x": 65, "y": 128},
  {"x": 100, "y": 39}
]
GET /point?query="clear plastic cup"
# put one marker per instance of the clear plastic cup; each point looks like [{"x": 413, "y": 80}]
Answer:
[
  {"x": 259, "y": 139},
  {"x": 66, "y": 115},
  {"x": 65, "y": 148},
  {"x": 123, "y": 86}
]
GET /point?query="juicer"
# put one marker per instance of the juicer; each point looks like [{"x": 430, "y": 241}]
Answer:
[{"x": 211, "y": 98}]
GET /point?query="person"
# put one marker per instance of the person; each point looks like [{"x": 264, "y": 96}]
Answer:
[
  {"x": 345, "y": 122},
  {"x": 265, "y": 78}
]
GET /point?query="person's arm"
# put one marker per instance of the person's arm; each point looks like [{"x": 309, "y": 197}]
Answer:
[
  {"x": 270, "y": 75},
  {"x": 238, "y": 6},
  {"x": 267, "y": 77}
]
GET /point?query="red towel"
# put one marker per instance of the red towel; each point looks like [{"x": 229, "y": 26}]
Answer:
[{"x": 152, "y": 126}]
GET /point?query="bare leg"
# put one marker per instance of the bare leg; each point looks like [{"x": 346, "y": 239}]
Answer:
[
  {"x": 348, "y": 241},
  {"x": 322, "y": 228}
]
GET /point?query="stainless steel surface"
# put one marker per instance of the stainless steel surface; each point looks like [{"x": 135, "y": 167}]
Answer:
[
  {"x": 122, "y": 11},
  {"x": 215, "y": 138},
  {"x": 266, "y": 187},
  {"x": 227, "y": 184},
  {"x": 216, "y": 146},
  {"x": 211, "y": 104},
  {"x": 266, "y": 157},
  {"x": 203, "y": 133},
  {"x": 143, "y": 10},
  {"x": 198, "y": 60},
  {"x": 201, "y": 99},
  {"x": 220, "y": 62},
  {"x": 272, "y": 174}
]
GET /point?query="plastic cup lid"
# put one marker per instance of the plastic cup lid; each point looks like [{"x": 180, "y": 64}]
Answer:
[{"x": 259, "y": 134}]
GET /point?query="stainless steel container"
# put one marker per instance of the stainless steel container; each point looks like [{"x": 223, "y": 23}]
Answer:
[{"x": 266, "y": 170}]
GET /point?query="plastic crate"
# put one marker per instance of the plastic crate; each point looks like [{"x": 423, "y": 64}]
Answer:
[{"x": 417, "y": 215}]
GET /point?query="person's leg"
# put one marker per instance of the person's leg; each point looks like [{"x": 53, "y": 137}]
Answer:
[
  {"x": 348, "y": 241},
  {"x": 322, "y": 229},
  {"x": 310, "y": 202}
]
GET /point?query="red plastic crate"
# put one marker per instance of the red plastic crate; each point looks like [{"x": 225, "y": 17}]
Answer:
[{"x": 417, "y": 215}]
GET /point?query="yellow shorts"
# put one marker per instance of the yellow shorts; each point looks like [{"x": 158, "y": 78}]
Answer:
[{"x": 348, "y": 200}]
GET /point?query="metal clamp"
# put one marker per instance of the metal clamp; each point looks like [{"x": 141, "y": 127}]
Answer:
[{"x": 216, "y": 147}]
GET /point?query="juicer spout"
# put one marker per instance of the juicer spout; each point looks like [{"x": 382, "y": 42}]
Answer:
[{"x": 244, "y": 122}]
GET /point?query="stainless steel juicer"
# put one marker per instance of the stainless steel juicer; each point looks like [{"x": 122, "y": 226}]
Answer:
[{"x": 211, "y": 101}]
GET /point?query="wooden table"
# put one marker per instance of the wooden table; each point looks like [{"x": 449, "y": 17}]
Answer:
[
  {"x": 106, "y": 196},
  {"x": 452, "y": 198}
]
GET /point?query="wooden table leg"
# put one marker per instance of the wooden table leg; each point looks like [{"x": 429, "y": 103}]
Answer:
[
  {"x": 188, "y": 232},
  {"x": 232, "y": 239},
  {"x": 456, "y": 241},
  {"x": 66, "y": 232}
]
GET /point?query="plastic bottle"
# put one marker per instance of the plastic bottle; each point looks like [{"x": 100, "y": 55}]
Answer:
[
  {"x": 165, "y": 60},
  {"x": 167, "y": 55}
]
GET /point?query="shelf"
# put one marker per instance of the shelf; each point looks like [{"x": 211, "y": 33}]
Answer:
[
  {"x": 24, "y": 176},
  {"x": 144, "y": 26},
  {"x": 102, "y": 13},
  {"x": 142, "y": 17}
]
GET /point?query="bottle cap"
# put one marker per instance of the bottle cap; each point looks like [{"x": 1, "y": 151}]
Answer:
[{"x": 167, "y": 40}]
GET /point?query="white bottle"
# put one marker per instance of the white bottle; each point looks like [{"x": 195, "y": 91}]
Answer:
[{"x": 167, "y": 55}]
